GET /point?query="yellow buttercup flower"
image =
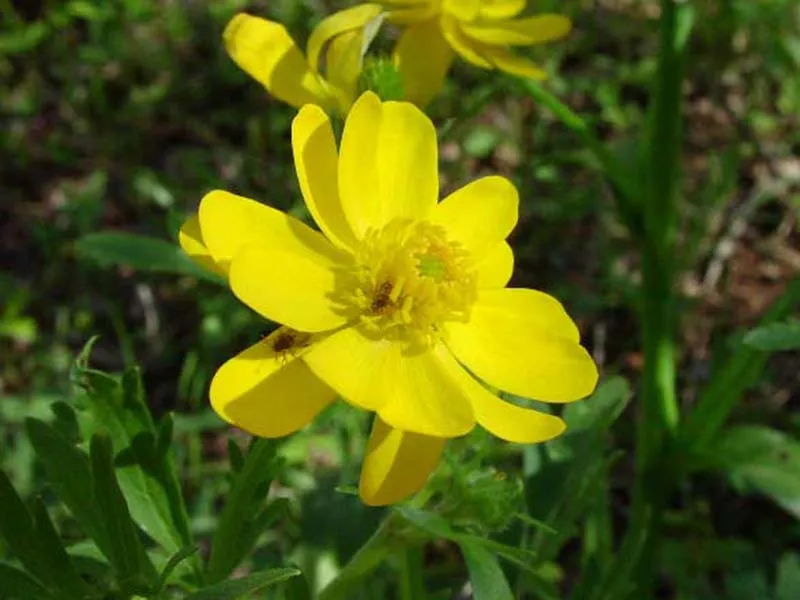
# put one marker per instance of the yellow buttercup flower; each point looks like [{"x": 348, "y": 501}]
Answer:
[
  {"x": 398, "y": 305},
  {"x": 267, "y": 53},
  {"x": 479, "y": 31}
]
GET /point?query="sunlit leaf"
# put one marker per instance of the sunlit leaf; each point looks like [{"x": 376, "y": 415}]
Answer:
[
  {"x": 140, "y": 253},
  {"x": 487, "y": 578},
  {"x": 128, "y": 555},
  {"x": 245, "y": 515},
  {"x": 764, "y": 459}
]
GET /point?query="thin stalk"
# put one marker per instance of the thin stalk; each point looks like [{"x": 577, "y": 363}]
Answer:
[
  {"x": 660, "y": 405},
  {"x": 412, "y": 585},
  {"x": 657, "y": 425}
]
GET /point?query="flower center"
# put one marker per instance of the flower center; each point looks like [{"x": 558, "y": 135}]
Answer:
[{"x": 408, "y": 280}]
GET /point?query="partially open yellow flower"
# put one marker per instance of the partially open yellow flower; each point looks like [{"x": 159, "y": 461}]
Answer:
[
  {"x": 480, "y": 31},
  {"x": 398, "y": 305},
  {"x": 267, "y": 53}
]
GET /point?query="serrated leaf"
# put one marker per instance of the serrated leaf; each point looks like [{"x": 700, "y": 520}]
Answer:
[
  {"x": 145, "y": 467},
  {"x": 775, "y": 337},
  {"x": 17, "y": 529},
  {"x": 33, "y": 540},
  {"x": 238, "y": 527},
  {"x": 50, "y": 547},
  {"x": 766, "y": 459},
  {"x": 139, "y": 252},
  {"x": 69, "y": 473},
  {"x": 127, "y": 552},
  {"x": 487, "y": 578},
  {"x": 238, "y": 588},
  {"x": 24, "y": 586}
]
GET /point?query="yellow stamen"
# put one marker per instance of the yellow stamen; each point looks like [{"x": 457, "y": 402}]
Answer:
[{"x": 409, "y": 279}]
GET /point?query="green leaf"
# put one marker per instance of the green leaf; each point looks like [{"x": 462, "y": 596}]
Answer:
[
  {"x": 33, "y": 540},
  {"x": 562, "y": 477},
  {"x": 487, "y": 578},
  {"x": 50, "y": 547},
  {"x": 17, "y": 528},
  {"x": 601, "y": 409},
  {"x": 738, "y": 373},
  {"x": 69, "y": 472},
  {"x": 429, "y": 522},
  {"x": 765, "y": 459},
  {"x": 243, "y": 519},
  {"x": 775, "y": 337},
  {"x": 145, "y": 466},
  {"x": 127, "y": 552},
  {"x": 237, "y": 588},
  {"x": 788, "y": 583},
  {"x": 437, "y": 526},
  {"x": 174, "y": 561},
  {"x": 139, "y": 252},
  {"x": 25, "y": 587}
]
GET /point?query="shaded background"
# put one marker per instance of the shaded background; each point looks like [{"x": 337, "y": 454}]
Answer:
[{"x": 120, "y": 115}]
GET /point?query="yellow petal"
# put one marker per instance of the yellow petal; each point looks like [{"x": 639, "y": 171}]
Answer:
[
  {"x": 519, "y": 32},
  {"x": 500, "y": 9},
  {"x": 513, "y": 64},
  {"x": 343, "y": 67},
  {"x": 422, "y": 57},
  {"x": 337, "y": 24},
  {"x": 230, "y": 222},
  {"x": 191, "y": 241},
  {"x": 479, "y": 215},
  {"x": 495, "y": 267},
  {"x": 522, "y": 341},
  {"x": 358, "y": 173},
  {"x": 268, "y": 394},
  {"x": 316, "y": 163},
  {"x": 406, "y": 12},
  {"x": 288, "y": 288},
  {"x": 513, "y": 423},
  {"x": 397, "y": 464},
  {"x": 415, "y": 392},
  {"x": 466, "y": 48},
  {"x": 506, "y": 421},
  {"x": 388, "y": 164},
  {"x": 266, "y": 52},
  {"x": 411, "y": 15},
  {"x": 463, "y": 10}
]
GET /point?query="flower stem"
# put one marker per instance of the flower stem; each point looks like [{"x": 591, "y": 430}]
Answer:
[
  {"x": 660, "y": 416},
  {"x": 412, "y": 586}
]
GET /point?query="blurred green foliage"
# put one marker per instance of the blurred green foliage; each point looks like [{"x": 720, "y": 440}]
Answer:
[{"x": 118, "y": 116}]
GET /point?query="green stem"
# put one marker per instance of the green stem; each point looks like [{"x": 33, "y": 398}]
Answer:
[
  {"x": 412, "y": 586},
  {"x": 658, "y": 422},
  {"x": 660, "y": 405}
]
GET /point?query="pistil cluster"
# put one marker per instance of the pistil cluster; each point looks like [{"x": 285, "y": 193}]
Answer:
[{"x": 408, "y": 280}]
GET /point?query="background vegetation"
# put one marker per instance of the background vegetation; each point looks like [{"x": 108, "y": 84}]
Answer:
[{"x": 118, "y": 116}]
